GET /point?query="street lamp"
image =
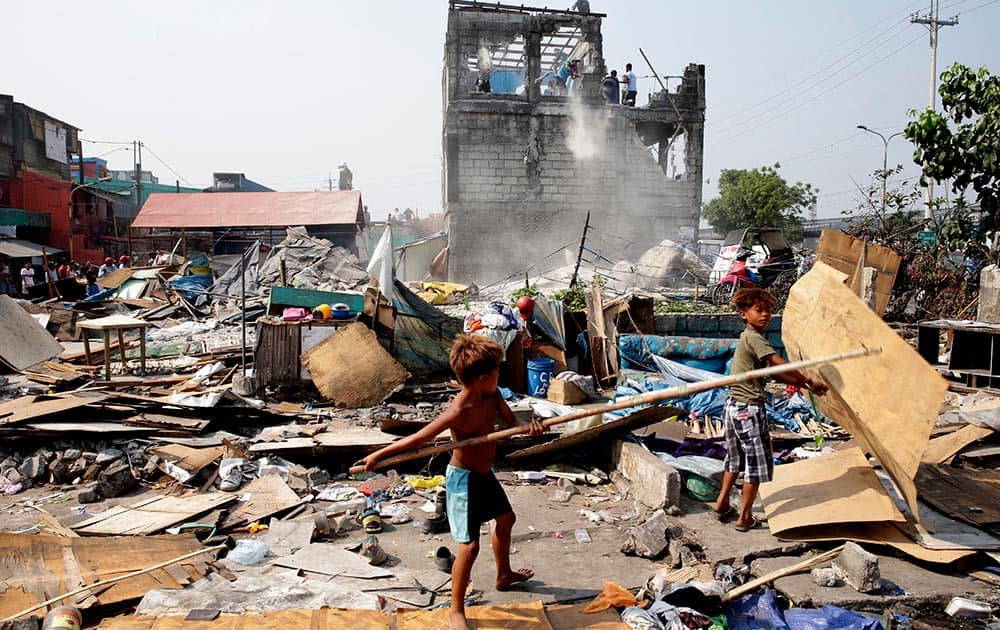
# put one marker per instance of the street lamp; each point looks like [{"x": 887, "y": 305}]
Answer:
[
  {"x": 70, "y": 215},
  {"x": 885, "y": 158}
]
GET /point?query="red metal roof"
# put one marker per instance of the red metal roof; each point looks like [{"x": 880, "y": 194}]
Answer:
[{"x": 258, "y": 209}]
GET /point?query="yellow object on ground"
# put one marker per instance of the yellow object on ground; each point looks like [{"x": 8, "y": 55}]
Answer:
[
  {"x": 426, "y": 483},
  {"x": 441, "y": 292},
  {"x": 527, "y": 616}
]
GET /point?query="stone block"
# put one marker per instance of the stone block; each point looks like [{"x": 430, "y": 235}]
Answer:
[
  {"x": 989, "y": 294},
  {"x": 651, "y": 482},
  {"x": 859, "y": 568}
]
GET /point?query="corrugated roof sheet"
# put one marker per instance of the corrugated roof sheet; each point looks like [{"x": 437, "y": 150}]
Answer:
[
  {"x": 17, "y": 248},
  {"x": 261, "y": 209}
]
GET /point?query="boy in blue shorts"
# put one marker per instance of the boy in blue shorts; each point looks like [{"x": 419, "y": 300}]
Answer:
[
  {"x": 473, "y": 492},
  {"x": 748, "y": 442}
]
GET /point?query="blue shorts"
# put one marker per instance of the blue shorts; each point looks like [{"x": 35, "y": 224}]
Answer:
[{"x": 473, "y": 499}]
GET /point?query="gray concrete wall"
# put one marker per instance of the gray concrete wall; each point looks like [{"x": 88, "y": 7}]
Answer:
[{"x": 521, "y": 172}]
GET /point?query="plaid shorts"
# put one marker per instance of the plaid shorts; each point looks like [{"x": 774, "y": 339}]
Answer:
[{"x": 748, "y": 443}]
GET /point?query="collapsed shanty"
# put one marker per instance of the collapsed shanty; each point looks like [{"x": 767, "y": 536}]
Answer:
[{"x": 177, "y": 446}]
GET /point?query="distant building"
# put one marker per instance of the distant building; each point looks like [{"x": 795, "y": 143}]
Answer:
[
  {"x": 146, "y": 177},
  {"x": 235, "y": 182},
  {"x": 35, "y": 185}
]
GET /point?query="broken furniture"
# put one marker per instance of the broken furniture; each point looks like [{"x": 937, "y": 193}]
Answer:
[
  {"x": 974, "y": 350},
  {"x": 118, "y": 324}
]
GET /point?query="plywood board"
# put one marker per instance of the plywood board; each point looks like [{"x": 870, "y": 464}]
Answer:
[
  {"x": 173, "y": 423},
  {"x": 23, "y": 341},
  {"x": 114, "y": 279},
  {"x": 329, "y": 559},
  {"x": 942, "y": 449},
  {"x": 322, "y": 619},
  {"x": 572, "y": 617},
  {"x": 526, "y": 616},
  {"x": 842, "y": 252},
  {"x": 31, "y": 407},
  {"x": 268, "y": 495},
  {"x": 887, "y": 401},
  {"x": 34, "y": 568},
  {"x": 152, "y": 514},
  {"x": 352, "y": 369},
  {"x": 838, "y": 488},
  {"x": 635, "y": 420}
]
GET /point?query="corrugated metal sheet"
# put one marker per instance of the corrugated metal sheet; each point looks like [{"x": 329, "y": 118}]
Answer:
[
  {"x": 263, "y": 209},
  {"x": 16, "y": 248}
]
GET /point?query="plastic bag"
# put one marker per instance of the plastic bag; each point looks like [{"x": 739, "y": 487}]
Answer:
[
  {"x": 247, "y": 551},
  {"x": 613, "y": 595}
]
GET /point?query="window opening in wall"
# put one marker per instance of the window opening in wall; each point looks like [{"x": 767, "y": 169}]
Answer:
[{"x": 502, "y": 68}]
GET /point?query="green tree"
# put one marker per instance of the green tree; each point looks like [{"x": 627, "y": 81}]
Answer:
[
  {"x": 759, "y": 197},
  {"x": 963, "y": 144}
]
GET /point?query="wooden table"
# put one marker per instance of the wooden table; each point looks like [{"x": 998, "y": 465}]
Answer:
[{"x": 119, "y": 324}]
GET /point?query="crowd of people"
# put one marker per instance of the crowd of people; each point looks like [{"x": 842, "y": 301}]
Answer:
[{"x": 17, "y": 281}]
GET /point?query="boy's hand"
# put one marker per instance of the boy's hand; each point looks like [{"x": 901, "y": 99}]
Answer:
[
  {"x": 536, "y": 428},
  {"x": 818, "y": 387},
  {"x": 370, "y": 462}
]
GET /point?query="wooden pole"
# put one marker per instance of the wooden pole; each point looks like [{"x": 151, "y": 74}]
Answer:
[
  {"x": 798, "y": 567},
  {"x": 680, "y": 391},
  {"x": 133, "y": 574}
]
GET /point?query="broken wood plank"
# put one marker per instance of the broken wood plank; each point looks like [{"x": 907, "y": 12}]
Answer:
[
  {"x": 942, "y": 449},
  {"x": 965, "y": 495},
  {"x": 151, "y": 515},
  {"x": 268, "y": 495},
  {"x": 31, "y": 407}
]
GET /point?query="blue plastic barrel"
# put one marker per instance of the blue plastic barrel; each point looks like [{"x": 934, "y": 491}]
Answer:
[{"x": 539, "y": 375}]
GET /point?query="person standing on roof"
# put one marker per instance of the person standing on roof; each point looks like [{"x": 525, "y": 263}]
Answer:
[
  {"x": 107, "y": 267},
  {"x": 631, "y": 86},
  {"x": 610, "y": 89},
  {"x": 583, "y": 6}
]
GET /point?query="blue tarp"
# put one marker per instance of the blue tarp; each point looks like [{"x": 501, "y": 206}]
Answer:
[
  {"x": 761, "y": 612},
  {"x": 191, "y": 286}
]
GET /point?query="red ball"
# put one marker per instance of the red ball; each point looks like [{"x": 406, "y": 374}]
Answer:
[{"x": 526, "y": 306}]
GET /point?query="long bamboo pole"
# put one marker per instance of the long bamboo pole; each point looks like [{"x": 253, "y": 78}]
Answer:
[
  {"x": 99, "y": 583},
  {"x": 632, "y": 401}
]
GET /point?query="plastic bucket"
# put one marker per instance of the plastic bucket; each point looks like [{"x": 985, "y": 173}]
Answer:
[{"x": 539, "y": 375}]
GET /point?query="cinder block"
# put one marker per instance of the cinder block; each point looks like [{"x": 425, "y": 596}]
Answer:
[
  {"x": 652, "y": 482},
  {"x": 859, "y": 568},
  {"x": 703, "y": 323}
]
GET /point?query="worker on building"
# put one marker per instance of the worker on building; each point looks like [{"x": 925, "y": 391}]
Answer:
[
  {"x": 108, "y": 267},
  {"x": 610, "y": 88},
  {"x": 583, "y": 6},
  {"x": 630, "y": 85}
]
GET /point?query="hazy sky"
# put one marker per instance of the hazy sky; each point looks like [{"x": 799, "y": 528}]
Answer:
[{"x": 286, "y": 91}]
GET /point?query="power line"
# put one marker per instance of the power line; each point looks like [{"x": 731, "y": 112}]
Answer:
[
  {"x": 169, "y": 168},
  {"x": 821, "y": 94}
]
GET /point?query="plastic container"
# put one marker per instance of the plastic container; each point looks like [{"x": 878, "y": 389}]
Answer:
[{"x": 539, "y": 375}]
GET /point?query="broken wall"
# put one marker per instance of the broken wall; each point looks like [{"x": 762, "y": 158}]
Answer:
[{"x": 523, "y": 169}]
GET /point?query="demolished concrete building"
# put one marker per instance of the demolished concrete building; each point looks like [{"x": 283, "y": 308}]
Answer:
[{"x": 523, "y": 166}]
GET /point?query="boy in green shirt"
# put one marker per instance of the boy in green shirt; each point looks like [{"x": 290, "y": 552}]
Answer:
[{"x": 748, "y": 443}]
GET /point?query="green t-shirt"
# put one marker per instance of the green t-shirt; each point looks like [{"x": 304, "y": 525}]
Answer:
[{"x": 751, "y": 352}]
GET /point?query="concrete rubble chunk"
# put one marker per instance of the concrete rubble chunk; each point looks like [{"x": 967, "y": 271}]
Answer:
[
  {"x": 827, "y": 576},
  {"x": 34, "y": 467},
  {"x": 90, "y": 494},
  {"x": 650, "y": 539},
  {"x": 651, "y": 482},
  {"x": 116, "y": 479},
  {"x": 72, "y": 453},
  {"x": 107, "y": 456},
  {"x": 859, "y": 568}
]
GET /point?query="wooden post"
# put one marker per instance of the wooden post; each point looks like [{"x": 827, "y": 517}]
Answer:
[
  {"x": 121, "y": 348},
  {"x": 106, "y": 334}
]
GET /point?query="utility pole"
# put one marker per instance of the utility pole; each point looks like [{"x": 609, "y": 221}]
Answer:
[{"x": 932, "y": 23}]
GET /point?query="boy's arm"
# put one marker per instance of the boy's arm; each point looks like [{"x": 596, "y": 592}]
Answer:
[
  {"x": 796, "y": 378},
  {"x": 509, "y": 419},
  {"x": 448, "y": 418}
]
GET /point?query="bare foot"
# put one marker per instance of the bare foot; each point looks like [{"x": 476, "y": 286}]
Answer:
[
  {"x": 457, "y": 621},
  {"x": 506, "y": 581}
]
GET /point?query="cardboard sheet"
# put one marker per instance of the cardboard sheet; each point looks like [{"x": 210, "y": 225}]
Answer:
[
  {"x": 267, "y": 495},
  {"x": 942, "y": 449},
  {"x": 887, "y": 401},
  {"x": 34, "y": 568},
  {"x": 352, "y": 369},
  {"x": 322, "y": 619},
  {"x": 842, "y": 252},
  {"x": 330, "y": 559},
  {"x": 151, "y": 515},
  {"x": 878, "y": 534},
  {"x": 835, "y": 489},
  {"x": 23, "y": 341},
  {"x": 527, "y": 616}
]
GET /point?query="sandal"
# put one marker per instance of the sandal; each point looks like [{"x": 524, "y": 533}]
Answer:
[
  {"x": 754, "y": 524},
  {"x": 371, "y": 520},
  {"x": 444, "y": 559},
  {"x": 726, "y": 515}
]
